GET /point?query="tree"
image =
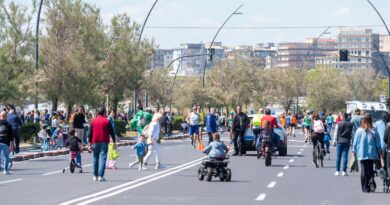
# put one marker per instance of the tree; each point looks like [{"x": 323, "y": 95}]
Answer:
[
  {"x": 15, "y": 51},
  {"x": 363, "y": 84},
  {"x": 158, "y": 86},
  {"x": 71, "y": 51},
  {"x": 125, "y": 64}
]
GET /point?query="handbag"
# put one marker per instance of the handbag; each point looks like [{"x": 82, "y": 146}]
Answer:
[{"x": 353, "y": 164}]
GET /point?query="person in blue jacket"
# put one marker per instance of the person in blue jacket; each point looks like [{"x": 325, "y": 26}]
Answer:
[
  {"x": 367, "y": 147},
  {"x": 15, "y": 122},
  {"x": 211, "y": 124}
]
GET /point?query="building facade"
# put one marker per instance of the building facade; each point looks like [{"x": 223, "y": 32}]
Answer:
[{"x": 189, "y": 66}]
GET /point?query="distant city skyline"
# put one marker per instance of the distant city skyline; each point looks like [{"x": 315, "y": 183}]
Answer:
[{"x": 277, "y": 13}]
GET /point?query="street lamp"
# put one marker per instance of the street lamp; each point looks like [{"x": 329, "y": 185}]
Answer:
[
  {"x": 388, "y": 32},
  {"x": 36, "y": 50},
  {"x": 235, "y": 12}
]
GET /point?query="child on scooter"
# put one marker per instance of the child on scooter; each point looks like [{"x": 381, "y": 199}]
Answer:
[{"x": 216, "y": 149}]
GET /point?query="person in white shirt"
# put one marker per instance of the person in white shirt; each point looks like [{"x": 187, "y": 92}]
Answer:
[{"x": 153, "y": 141}]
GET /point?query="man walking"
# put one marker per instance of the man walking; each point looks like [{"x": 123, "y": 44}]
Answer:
[
  {"x": 342, "y": 137},
  {"x": 240, "y": 123},
  {"x": 211, "y": 124},
  {"x": 6, "y": 140},
  {"x": 16, "y": 123},
  {"x": 99, "y": 137}
]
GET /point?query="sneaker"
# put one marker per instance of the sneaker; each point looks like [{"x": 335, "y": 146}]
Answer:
[
  {"x": 337, "y": 173},
  {"x": 95, "y": 179},
  {"x": 131, "y": 165},
  {"x": 344, "y": 174},
  {"x": 101, "y": 179},
  {"x": 6, "y": 172},
  {"x": 158, "y": 166}
]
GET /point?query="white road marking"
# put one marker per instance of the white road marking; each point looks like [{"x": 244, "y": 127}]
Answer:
[
  {"x": 280, "y": 174},
  {"x": 286, "y": 167},
  {"x": 10, "y": 181},
  {"x": 271, "y": 185},
  {"x": 132, "y": 184},
  {"x": 299, "y": 152},
  {"x": 291, "y": 160},
  {"x": 261, "y": 197}
]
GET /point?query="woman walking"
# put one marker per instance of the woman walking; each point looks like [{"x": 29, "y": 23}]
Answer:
[
  {"x": 367, "y": 147},
  {"x": 153, "y": 141}
]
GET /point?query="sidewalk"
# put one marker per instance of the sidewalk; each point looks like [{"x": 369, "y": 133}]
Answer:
[{"x": 32, "y": 151}]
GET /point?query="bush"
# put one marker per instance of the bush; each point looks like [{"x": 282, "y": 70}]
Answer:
[
  {"x": 120, "y": 127},
  {"x": 28, "y": 131},
  {"x": 177, "y": 120}
]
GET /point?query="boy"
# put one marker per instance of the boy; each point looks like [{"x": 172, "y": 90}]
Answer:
[
  {"x": 216, "y": 149},
  {"x": 140, "y": 151},
  {"x": 74, "y": 144}
]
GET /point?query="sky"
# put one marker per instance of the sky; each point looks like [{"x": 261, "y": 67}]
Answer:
[{"x": 256, "y": 13}]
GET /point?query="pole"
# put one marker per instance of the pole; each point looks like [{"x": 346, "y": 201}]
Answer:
[
  {"x": 215, "y": 36},
  {"x": 37, "y": 50},
  {"x": 388, "y": 32},
  {"x": 135, "y": 94},
  {"x": 173, "y": 85}
]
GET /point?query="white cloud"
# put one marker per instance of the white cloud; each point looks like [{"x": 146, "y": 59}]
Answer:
[{"x": 342, "y": 11}]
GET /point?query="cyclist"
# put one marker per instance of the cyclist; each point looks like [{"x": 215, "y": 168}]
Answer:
[
  {"x": 318, "y": 135},
  {"x": 193, "y": 120},
  {"x": 269, "y": 121},
  {"x": 256, "y": 125}
]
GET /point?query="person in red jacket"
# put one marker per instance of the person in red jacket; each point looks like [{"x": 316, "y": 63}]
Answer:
[{"x": 99, "y": 137}]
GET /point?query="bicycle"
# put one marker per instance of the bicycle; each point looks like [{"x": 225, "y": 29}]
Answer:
[{"x": 318, "y": 155}]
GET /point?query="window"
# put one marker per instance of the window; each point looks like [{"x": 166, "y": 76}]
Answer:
[
  {"x": 367, "y": 53},
  {"x": 359, "y": 60},
  {"x": 359, "y": 53}
]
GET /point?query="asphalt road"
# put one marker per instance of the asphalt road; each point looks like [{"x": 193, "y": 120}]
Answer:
[{"x": 290, "y": 180}]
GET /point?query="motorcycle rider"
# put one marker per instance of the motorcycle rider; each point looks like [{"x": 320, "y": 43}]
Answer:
[{"x": 272, "y": 124}]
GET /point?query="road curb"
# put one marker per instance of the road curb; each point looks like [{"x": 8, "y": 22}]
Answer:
[{"x": 36, "y": 155}]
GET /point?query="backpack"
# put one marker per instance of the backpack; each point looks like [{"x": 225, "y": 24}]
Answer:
[{"x": 318, "y": 126}]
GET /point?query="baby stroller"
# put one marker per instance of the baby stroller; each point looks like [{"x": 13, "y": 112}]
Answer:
[{"x": 215, "y": 167}]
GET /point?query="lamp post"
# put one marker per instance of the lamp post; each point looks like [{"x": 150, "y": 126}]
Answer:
[
  {"x": 388, "y": 32},
  {"x": 37, "y": 50},
  {"x": 304, "y": 61},
  {"x": 139, "y": 40},
  {"x": 235, "y": 12}
]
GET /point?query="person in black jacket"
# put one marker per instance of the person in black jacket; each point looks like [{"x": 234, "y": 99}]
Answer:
[
  {"x": 15, "y": 122},
  {"x": 6, "y": 140},
  {"x": 240, "y": 123},
  {"x": 342, "y": 137},
  {"x": 74, "y": 144},
  {"x": 78, "y": 124}
]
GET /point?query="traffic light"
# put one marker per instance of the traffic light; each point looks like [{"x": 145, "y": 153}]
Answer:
[
  {"x": 343, "y": 55},
  {"x": 211, "y": 53}
]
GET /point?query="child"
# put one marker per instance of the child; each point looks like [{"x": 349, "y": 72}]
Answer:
[
  {"x": 327, "y": 140},
  {"x": 184, "y": 127},
  {"x": 75, "y": 148},
  {"x": 141, "y": 149},
  {"x": 216, "y": 149},
  {"x": 45, "y": 138},
  {"x": 113, "y": 155}
]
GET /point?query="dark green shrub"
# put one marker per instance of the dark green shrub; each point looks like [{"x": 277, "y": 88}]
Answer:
[
  {"x": 120, "y": 127},
  {"x": 177, "y": 120},
  {"x": 28, "y": 131}
]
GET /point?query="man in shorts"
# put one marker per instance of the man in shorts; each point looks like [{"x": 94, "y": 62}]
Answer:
[{"x": 193, "y": 121}]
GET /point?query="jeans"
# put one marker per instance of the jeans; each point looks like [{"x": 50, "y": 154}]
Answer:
[
  {"x": 342, "y": 152},
  {"x": 329, "y": 127},
  {"x": 5, "y": 150},
  {"x": 15, "y": 132},
  {"x": 99, "y": 158},
  {"x": 367, "y": 174}
]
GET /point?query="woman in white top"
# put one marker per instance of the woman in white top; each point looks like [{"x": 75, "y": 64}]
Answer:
[{"x": 153, "y": 137}]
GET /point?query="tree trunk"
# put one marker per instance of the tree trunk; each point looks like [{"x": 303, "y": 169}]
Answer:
[
  {"x": 158, "y": 107},
  {"x": 69, "y": 112},
  {"x": 54, "y": 104},
  {"x": 115, "y": 102}
]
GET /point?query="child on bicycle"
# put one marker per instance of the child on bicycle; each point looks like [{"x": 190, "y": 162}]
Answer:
[
  {"x": 216, "y": 149},
  {"x": 141, "y": 148},
  {"x": 75, "y": 148}
]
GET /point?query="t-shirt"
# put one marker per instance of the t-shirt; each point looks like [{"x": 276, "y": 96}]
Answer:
[
  {"x": 74, "y": 144},
  {"x": 194, "y": 119},
  {"x": 288, "y": 120},
  {"x": 270, "y": 119},
  {"x": 329, "y": 119},
  {"x": 293, "y": 120}
]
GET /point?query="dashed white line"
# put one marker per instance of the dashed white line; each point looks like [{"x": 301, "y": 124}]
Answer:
[
  {"x": 261, "y": 197},
  {"x": 286, "y": 167},
  {"x": 280, "y": 174},
  {"x": 299, "y": 152},
  {"x": 291, "y": 160},
  {"x": 10, "y": 181},
  {"x": 271, "y": 185}
]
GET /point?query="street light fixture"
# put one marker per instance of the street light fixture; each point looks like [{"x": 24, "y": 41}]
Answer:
[{"x": 235, "y": 12}]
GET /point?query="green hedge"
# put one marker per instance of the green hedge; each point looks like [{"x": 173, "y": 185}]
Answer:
[
  {"x": 28, "y": 131},
  {"x": 177, "y": 120},
  {"x": 120, "y": 127}
]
